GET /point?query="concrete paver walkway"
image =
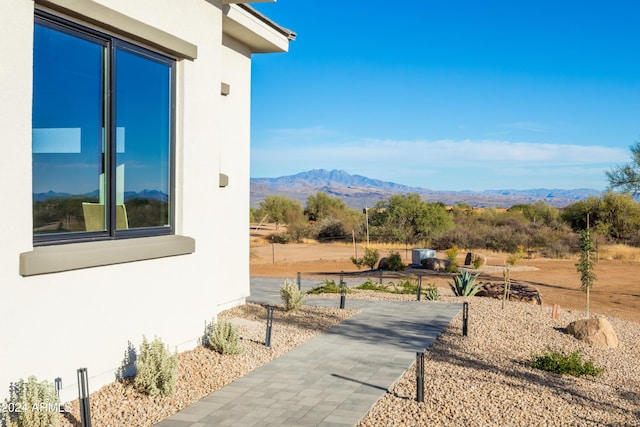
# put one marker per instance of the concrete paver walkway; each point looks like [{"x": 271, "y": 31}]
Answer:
[{"x": 332, "y": 380}]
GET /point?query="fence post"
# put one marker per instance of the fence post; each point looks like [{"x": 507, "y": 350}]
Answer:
[
  {"x": 419, "y": 287},
  {"x": 299, "y": 282}
]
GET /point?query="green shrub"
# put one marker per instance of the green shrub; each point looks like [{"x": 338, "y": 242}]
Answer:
[
  {"x": 156, "y": 369},
  {"x": 370, "y": 258},
  {"x": 464, "y": 284},
  {"x": 369, "y": 285},
  {"x": 563, "y": 363},
  {"x": 477, "y": 262},
  {"x": 394, "y": 262},
  {"x": 292, "y": 297},
  {"x": 329, "y": 287},
  {"x": 432, "y": 293},
  {"x": 452, "y": 253},
  {"x": 453, "y": 267},
  {"x": 223, "y": 337},
  {"x": 31, "y": 403},
  {"x": 405, "y": 287}
]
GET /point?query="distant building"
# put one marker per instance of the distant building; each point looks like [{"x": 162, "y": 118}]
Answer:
[{"x": 125, "y": 176}]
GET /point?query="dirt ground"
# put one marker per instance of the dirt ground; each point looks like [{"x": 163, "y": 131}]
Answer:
[{"x": 616, "y": 291}]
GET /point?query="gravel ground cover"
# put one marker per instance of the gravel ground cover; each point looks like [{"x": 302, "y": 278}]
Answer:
[
  {"x": 202, "y": 371},
  {"x": 478, "y": 380}
]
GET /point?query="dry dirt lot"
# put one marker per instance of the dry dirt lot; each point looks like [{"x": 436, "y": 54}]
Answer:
[{"x": 615, "y": 293}]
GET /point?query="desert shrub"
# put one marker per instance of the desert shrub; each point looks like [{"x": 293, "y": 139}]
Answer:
[
  {"x": 331, "y": 229},
  {"x": 563, "y": 363},
  {"x": 464, "y": 284},
  {"x": 394, "y": 262},
  {"x": 156, "y": 369},
  {"x": 452, "y": 253},
  {"x": 369, "y": 285},
  {"x": 404, "y": 287},
  {"x": 31, "y": 403},
  {"x": 432, "y": 293},
  {"x": 222, "y": 337},
  {"x": 477, "y": 262},
  {"x": 370, "y": 258},
  {"x": 327, "y": 287},
  {"x": 292, "y": 297},
  {"x": 515, "y": 257}
]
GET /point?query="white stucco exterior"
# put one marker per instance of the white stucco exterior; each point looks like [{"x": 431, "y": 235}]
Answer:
[{"x": 53, "y": 324}]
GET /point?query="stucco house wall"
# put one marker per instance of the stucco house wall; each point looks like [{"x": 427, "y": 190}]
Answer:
[{"x": 55, "y": 323}]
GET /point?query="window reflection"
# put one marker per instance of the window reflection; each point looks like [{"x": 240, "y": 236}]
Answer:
[{"x": 100, "y": 164}]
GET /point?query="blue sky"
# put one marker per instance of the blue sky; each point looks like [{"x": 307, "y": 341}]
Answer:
[{"x": 450, "y": 95}]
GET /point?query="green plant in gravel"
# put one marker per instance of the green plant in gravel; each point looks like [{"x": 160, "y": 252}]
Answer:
[
  {"x": 327, "y": 286},
  {"x": 464, "y": 284},
  {"x": 370, "y": 285},
  {"x": 223, "y": 337},
  {"x": 156, "y": 369},
  {"x": 563, "y": 363},
  {"x": 31, "y": 403},
  {"x": 404, "y": 287},
  {"x": 431, "y": 293},
  {"x": 292, "y": 297},
  {"x": 394, "y": 262}
]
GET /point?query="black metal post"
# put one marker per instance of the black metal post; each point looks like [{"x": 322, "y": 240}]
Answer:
[
  {"x": 420, "y": 376},
  {"x": 380, "y": 273},
  {"x": 465, "y": 319},
  {"x": 419, "y": 292},
  {"x": 267, "y": 340},
  {"x": 299, "y": 282},
  {"x": 58, "y": 385},
  {"x": 83, "y": 397},
  {"x": 343, "y": 290}
]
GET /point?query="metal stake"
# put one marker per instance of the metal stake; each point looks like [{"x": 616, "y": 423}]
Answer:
[
  {"x": 83, "y": 397},
  {"x": 267, "y": 340},
  {"x": 465, "y": 319},
  {"x": 420, "y": 376},
  {"x": 299, "y": 282},
  {"x": 419, "y": 287},
  {"x": 380, "y": 272}
]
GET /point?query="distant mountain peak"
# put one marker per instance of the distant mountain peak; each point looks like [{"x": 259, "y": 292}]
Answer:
[{"x": 358, "y": 191}]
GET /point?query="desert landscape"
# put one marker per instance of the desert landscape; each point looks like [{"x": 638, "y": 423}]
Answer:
[{"x": 616, "y": 292}]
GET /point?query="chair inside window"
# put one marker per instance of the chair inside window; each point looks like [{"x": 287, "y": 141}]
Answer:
[{"x": 94, "y": 216}]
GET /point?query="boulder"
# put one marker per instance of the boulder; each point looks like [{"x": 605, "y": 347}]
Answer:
[
  {"x": 435, "y": 264},
  {"x": 383, "y": 264},
  {"x": 595, "y": 331},
  {"x": 471, "y": 258},
  {"x": 518, "y": 292}
]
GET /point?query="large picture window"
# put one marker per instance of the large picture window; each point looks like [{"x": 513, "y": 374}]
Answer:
[{"x": 103, "y": 114}]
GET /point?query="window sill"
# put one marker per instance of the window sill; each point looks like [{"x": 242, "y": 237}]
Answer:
[{"x": 54, "y": 259}]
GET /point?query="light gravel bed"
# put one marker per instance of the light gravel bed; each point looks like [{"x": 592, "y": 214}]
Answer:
[{"x": 478, "y": 380}]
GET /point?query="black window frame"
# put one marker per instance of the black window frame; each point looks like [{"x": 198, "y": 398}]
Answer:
[{"x": 112, "y": 43}]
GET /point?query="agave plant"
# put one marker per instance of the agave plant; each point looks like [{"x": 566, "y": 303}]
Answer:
[{"x": 464, "y": 284}]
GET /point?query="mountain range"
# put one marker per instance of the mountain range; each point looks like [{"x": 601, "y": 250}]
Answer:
[{"x": 358, "y": 191}]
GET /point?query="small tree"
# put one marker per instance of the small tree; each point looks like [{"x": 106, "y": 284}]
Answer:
[
  {"x": 370, "y": 258},
  {"x": 586, "y": 263}
]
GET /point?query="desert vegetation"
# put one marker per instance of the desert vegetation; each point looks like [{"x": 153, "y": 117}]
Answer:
[{"x": 521, "y": 230}]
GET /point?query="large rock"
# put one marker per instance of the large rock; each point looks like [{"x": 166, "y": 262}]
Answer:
[
  {"x": 436, "y": 264},
  {"x": 471, "y": 258},
  {"x": 383, "y": 264},
  {"x": 518, "y": 292},
  {"x": 595, "y": 331}
]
